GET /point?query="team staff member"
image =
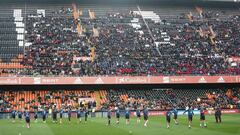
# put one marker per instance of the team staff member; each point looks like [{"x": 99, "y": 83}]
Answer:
[{"x": 218, "y": 115}]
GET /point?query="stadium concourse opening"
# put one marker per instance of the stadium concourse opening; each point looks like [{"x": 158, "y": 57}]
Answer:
[{"x": 119, "y": 67}]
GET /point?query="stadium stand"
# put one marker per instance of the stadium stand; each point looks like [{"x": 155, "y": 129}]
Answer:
[
  {"x": 19, "y": 100},
  {"x": 162, "y": 99},
  {"x": 129, "y": 41},
  {"x": 156, "y": 99}
]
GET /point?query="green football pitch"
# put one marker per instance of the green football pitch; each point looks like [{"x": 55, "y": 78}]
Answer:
[{"x": 97, "y": 126}]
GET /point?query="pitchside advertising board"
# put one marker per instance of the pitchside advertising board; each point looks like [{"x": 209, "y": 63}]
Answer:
[
  {"x": 196, "y": 112},
  {"x": 118, "y": 80}
]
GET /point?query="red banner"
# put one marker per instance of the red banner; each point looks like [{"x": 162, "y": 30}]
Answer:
[{"x": 119, "y": 80}]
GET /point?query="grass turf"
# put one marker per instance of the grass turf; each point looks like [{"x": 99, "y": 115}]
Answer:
[{"x": 97, "y": 126}]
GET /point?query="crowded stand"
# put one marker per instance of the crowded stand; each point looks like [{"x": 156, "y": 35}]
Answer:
[{"x": 199, "y": 42}]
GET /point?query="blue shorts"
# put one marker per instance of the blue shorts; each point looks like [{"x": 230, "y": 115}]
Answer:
[
  {"x": 168, "y": 119},
  {"x": 190, "y": 117},
  {"x": 28, "y": 120},
  {"x": 145, "y": 117}
]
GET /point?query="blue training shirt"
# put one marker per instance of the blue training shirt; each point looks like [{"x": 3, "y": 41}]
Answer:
[
  {"x": 44, "y": 113},
  {"x": 127, "y": 112},
  {"x": 117, "y": 112},
  {"x": 168, "y": 114},
  {"x": 27, "y": 115},
  {"x": 175, "y": 111},
  {"x": 138, "y": 112},
  {"x": 13, "y": 112},
  {"x": 190, "y": 112},
  {"x": 145, "y": 112}
]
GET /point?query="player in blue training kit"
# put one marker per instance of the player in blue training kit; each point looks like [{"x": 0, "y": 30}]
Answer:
[
  {"x": 117, "y": 114},
  {"x": 36, "y": 115},
  {"x": 20, "y": 115},
  {"x": 127, "y": 115},
  {"x": 168, "y": 118},
  {"x": 109, "y": 114},
  {"x": 69, "y": 115},
  {"x": 175, "y": 115},
  {"x": 54, "y": 115},
  {"x": 190, "y": 116},
  {"x": 138, "y": 114},
  {"x": 61, "y": 115},
  {"x": 86, "y": 114},
  {"x": 145, "y": 115},
  {"x": 13, "y": 116},
  {"x": 202, "y": 118},
  {"x": 44, "y": 115},
  {"x": 79, "y": 115},
  {"x": 27, "y": 118}
]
